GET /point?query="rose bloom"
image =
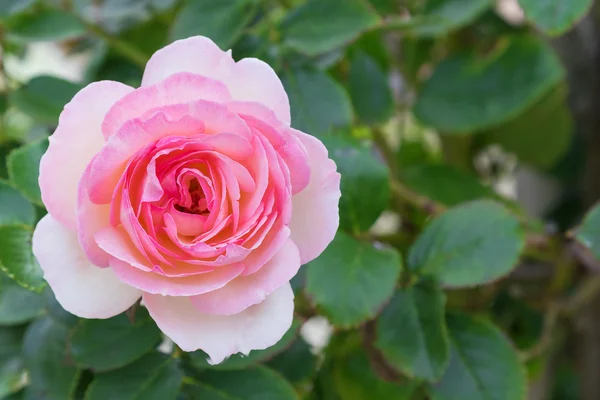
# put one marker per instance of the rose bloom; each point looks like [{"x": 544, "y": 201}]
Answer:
[{"x": 192, "y": 193}]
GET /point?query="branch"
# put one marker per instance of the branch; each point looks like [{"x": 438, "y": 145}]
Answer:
[
  {"x": 387, "y": 152},
  {"x": 406, "y": 195},
  {"x": 584, "y": 295},
  {"x": 584, "y": 256},
  {"x": 122, "y": 47},
  {"x": 547, "y": 338}
]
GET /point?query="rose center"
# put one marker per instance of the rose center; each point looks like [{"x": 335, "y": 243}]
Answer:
[{"x": 198, "y": 203}]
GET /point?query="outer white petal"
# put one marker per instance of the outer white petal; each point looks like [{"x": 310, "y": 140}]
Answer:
[
  {"x": 315, "y": 210},
  {"x": 256, "y": 328},
  {"x": 80, "y": 287},
  {"x": 76, "y": 140}
]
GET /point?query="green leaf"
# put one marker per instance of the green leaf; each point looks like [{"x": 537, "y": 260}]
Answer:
[
  {"x": 251, "y": 383},
  {"x": 440, "y": 17},
  {"x": 297, "y": 364},
  {"x": 325, "y": 384},
  {"x": 199, "y": 391},
  {"x": 411, "y": 332},
  {"x": 3, "y": 103},
  {"x": 148, "y": 37},
  {"x": 467, "y": 93},
  {"x": 369, "y": 90},
  {"x": 385, "y": 6},
  {"x": 9, "y": 8},
  {"x": 318, "y": 103},
  {"x": 588, "y": 233},
  {"x": 471, "y": 244},
  {"x": 44, "y": 97},
  {"x": 555, "y": 17},
  {"x": 523, "y": 322},
  {"x": 354, "y": 379},
  {"x": 349, "y": 269},
  {"x": 17, "y": 304},
  {"x": 47, "y": 25},
  {"x": 312, "y": 29},
  {"x": 20, "y": 395},
  {"x": 222, "y": 21},
  {"x": 5, "y": 148},
  {"x": 483, "y": 364},
  {"x": 445, "y": 184},
  {"x": 198, "y": 358},
  {"x": 55, "y": 310},
  {"x": 105, "y": 344},
  {"x": 258, "y": 46},
  {"x": 417, "y": 151},
  {"x": 12, "y": 369},
  {"x": 51, "y": 375},
  {"x": 15, "y": 208},
  {"x": 16, "y": 258},
  {"x": 549, "y": 122},
  {"x": 155, "y": 376},
  {"x": 24, "y": 166},
  {"x": 361, "y": 173},
  {"x": 374, "y": 45},
  {"x": 416, "y": 53}
]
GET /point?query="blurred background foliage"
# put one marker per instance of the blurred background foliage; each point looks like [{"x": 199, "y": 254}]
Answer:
[{"x": 467, "y": 133}]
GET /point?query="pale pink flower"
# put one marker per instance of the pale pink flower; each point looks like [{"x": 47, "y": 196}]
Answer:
[{"x": 192, "y": 192}]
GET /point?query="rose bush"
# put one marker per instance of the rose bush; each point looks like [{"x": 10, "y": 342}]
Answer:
[{"x": 192, "y": 193}]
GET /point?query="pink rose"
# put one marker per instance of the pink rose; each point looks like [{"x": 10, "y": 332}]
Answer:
[{"x": 192, "y": 192}]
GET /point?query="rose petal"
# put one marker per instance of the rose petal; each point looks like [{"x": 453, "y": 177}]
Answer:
[
  {"x": 179, "y": 88},
  {"x": 288, "y": 146},
  {"x": 256, "y": 328},
  {"x": 116, "y": 243},
  {"x": 183, "y": 119},
  {"x": 156, "y": 283},
  {"x": 80, "y": 287},
  {"x": 249, "y": 79},
  {"x": 91, "y": 218},
  {"x": 254, "y": 80},
  {"x": 245, "y": 291},
  {"x": 76, "y": 140},
  {"x": 315, "y": 213}
]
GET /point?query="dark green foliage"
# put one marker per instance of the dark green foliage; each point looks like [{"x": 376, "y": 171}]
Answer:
[{"x": 435, "y": 113}]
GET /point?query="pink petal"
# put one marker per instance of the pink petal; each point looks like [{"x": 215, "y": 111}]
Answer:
[
  {"x": 255, "y": 80},
  {"x": 179, "y": 88},
  {"x": 91, "y": 218},
  {"x": 156, "y": 283},
  {"x": 79, "y": 286},
  {"x": 265, "y": 244},
  {"x": 249, "y": 79},
  {"x": 76, "y": 140},
  {"x": 315, "y": 213},
  {"x": 257, "y": 327},
  {"x": 188, "y": 224},
  {"x": 116, "y": 243},
  {"x": 181, "y": 120},
  {"x": 288, "y": 146},
  {"x": 245, "y": 291}
]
